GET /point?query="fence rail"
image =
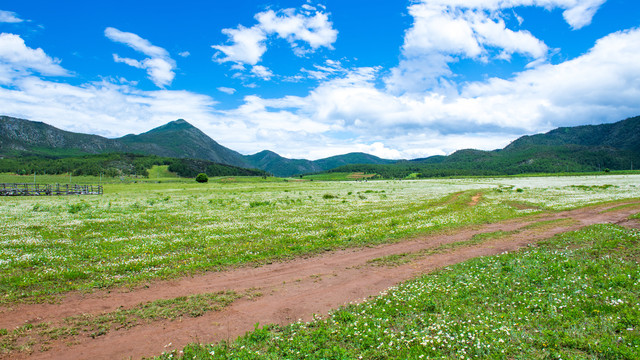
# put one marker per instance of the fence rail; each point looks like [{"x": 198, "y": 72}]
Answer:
[{"x": 15, "y": 189}]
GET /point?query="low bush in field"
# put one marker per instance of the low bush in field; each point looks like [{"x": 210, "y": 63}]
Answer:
[{"x": 202, "y": 178}]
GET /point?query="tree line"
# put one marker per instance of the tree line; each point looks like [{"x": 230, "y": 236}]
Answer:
[
  {"x": 534, "y": 159},
  {"x": 118, "y": 164}
]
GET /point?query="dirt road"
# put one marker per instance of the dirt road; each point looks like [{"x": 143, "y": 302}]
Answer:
[{"x": 290, "y": 291}]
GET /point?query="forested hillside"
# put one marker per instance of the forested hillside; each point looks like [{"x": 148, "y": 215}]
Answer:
[
  {"x": 118, "y": 164},
  {"x": 281, "y": 166},
  {"x": 577, "y": 149}
]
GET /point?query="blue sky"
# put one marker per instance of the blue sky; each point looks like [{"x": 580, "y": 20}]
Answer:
[{"x": 311, "y": 79}]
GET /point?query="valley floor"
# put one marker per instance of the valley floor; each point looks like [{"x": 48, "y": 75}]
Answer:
[{"x": 112, "y": 324}]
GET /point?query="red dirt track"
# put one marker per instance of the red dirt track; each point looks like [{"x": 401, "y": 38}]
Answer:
[{"x": 290, "y": 291}]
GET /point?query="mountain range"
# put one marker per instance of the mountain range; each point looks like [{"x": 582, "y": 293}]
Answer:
[
  {"x": 614, "y": 146},
  {"x": 583, "y": 148},
  {"x": 177, "y": 139}
]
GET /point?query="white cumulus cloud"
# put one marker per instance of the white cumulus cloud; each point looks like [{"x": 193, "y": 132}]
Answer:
[
  {"x": 9, "y": 17},
  {"x": 305, "y": 30},
  {"x": 159, "y": 66},
  {"x": 299, "y": 29},
  {"x": 262, "y": 72},
  {"x": 579, "y": 13},
  {"x": 247, "y": 45},
  {"x": 599, "y": 84},
  {"x": 17, "y": 58},
  {"x": 135, "y": 42},
  {"x": 227, "y": 90},
  {"x": 445, "y": 31}
]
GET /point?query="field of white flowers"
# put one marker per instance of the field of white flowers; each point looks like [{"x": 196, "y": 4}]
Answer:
[
  {"x": 573, "y": 297},
  {"x": 136, "y": 232}
]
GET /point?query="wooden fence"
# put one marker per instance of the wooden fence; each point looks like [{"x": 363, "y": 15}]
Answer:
[{"x": 48, "y": 189}]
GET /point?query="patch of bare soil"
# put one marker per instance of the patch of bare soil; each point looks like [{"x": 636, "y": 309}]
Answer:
[
  {"x": 360, "y": 175},
  {"x": 522, "y": 206},
  {"x": 475, "y": 199},
  {"x": 290, "y": 291}
]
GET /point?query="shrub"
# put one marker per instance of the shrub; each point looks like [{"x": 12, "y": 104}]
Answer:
[
  {"x": 77, "y": 207},
  {"x": 202, "y": 178},
  {"x": 259, "y": 203}
]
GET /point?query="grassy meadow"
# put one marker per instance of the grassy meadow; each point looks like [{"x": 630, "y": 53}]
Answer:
[
  {"x": 574, "y": 296},
  {"x": 137, "y": 232}
]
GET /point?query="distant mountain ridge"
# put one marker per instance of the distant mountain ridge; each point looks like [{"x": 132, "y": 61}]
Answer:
[
  {"x": 24, "y": 136},
  {"x": 622, "y": 135},
  {"x": 179, "y": 139},
  {"x": 281, "y": 166},
  {"x": 614, "y": 146},
  {"x": 581, "y": 148}
]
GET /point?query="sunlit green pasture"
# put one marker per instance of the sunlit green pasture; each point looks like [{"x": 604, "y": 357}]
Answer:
[
  {"x": 572, "y": 297},
  {"x": 137, "y": 232},
  {"x": 161, "y": 172}
]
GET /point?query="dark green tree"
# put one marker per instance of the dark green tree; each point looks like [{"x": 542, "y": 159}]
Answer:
[{"x": 202, "y": 178}]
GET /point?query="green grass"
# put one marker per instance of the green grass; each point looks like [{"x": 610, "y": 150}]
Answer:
[
  {"x": 625, "y": 206},
  {"x": 161, "y": 172},
  {"x": 137, "y": 232},
  {"x": 574, "y": 296},
  {"x": 328, "y": 177},
  {"x": 95, "y": 243},
  {"x": 247, "y": 179}
]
